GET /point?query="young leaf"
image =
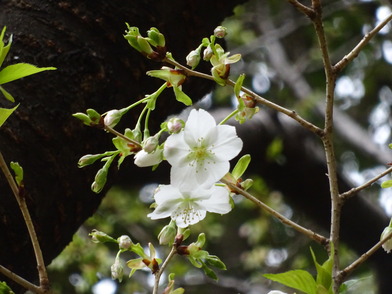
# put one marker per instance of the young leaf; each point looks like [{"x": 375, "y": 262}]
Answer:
[
  {"x": 20, "y": 70},
  {"x": 7, "y": 95},
  {"x": 241, "y": 166},
  {"x": 4, "y": 49},
  {"x": 238, "y": 85},
  {"x": 324, "y": 272},
  {"x": 4, "y": 289},
  {"x": 18, "y": 170},
  {"x": 297, "y": 279},
  {"x": 386, "y": 184},
  {"x": 5, "y": 113}
]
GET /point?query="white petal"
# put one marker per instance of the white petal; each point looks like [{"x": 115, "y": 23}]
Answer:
[
  {"x": 219, "y": 202},
  {"x": 144, "y": 159},
  {"x": 176, "y": 150},
  {"x": 198, "y": 125},
  {"x": 227, "y": 144}
]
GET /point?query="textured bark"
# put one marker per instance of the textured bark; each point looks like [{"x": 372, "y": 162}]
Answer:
[{"x": 96, "y": 69}]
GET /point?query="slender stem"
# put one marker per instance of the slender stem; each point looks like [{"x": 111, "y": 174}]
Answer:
[
  {"x": 16, "y": 278},
  {"x": 344, "y": 273},
  {"x": 309, "y": 233},
  {"x": 228, "y": 117},
  {"x": 357, "y": 49},
  {"x": 161, "y": 270},
  {"x": 257, "y": 98},
  {"x": 353, "y": 191},
  {"x": 118, "y": 134},
  {"x": 43, "y": 276}
]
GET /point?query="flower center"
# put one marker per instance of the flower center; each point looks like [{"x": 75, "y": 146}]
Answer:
[{"x": 200, "y": 155}]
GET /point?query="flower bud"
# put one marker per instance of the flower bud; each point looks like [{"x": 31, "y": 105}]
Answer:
[
  {"x": 193, "y": 58},
  {"x": 100, "y": 180},
  {"x": 124, "y": 242},
  {"x": 220, "y": 32},
  {"x": 175, "y": 125},
  {"x": 113, "y": 117},
  {"x": 388, "y": 244},
  {"x": 88, "y": 159},
  {"x": 100, "y": 237},
  {"x": 168, "y": 234},
  {"x": 83, "y": 117},
  {"x": 150, "y": 144},
  {"x": 117, "y": 270},
  {"x": 208, "y": 53}
]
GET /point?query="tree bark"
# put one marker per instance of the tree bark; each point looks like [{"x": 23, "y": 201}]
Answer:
[{"x": 96, "y": 68}]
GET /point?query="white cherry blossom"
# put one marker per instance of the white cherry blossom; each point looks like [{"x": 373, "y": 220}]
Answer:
[
  {"x": 200, "y": 154},
  {"x": 144, "y": 159},
  {"x": 190, "y": 207}
]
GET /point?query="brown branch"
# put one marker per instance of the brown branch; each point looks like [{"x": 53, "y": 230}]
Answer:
[
  {"x": 309, "y": 12},
  {"x": 309, "y": 233},
  {"x": 355, "y": 190},
  {"x": 344, "y": 273},
  {"x": 357, "y": 49},
  {"x": 43, "y": 276}
]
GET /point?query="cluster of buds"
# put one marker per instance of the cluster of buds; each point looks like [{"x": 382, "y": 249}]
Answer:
[{"x": 152, "y": 46}]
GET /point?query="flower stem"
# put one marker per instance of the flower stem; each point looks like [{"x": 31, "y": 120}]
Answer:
[{"x": 229, "y": 117}]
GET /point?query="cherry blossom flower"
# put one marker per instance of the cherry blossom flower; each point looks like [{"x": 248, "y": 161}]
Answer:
[
  {"x": 190, "y": 207},
  {"x": 144, "y": 159},
  {"x": 200, "y": 154}
]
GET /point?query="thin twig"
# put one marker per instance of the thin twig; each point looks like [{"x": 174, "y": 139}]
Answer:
[
  {"x": 291, "y": 113},
  {"x": 355, "y": 190},
  {"x": 309, "y": 12},
  {"x": 19, "y": 280},
  {"x": 43, "y": 276},
  {"x": 344, "y": 273},
  {"x": 309, "y": 233},
  {"x": 161, "y": 270},
  {"x": 357, "y": 49}
]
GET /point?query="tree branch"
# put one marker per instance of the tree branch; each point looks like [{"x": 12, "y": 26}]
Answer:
[
  {"x": 309, "y": 233},
  {"x": 357, "y": 49}
]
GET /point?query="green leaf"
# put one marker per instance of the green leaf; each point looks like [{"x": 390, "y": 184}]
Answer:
[
  {"x": 241, "y": 166},
  {"x": 7, "y": 95},
  {"x": 182, "y": 97},
  {"x": 297, "y": 279},
  {"x": 209, "y": 272},
  {"x": 4, "y": 289},
  {"x": 386, "y": 184},
  {"x": 20, "y": 70},
  {"x": 4, "y": 49},
  {"x": 324, "y": 272},
  {"x": 5, "y": 113},
  {"x": 18, "y": 170}
]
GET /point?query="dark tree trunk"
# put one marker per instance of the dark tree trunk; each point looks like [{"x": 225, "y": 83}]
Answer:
[{"x": 96, "y": 69}]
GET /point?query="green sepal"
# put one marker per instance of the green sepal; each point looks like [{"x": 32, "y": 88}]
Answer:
[
  {"x": 138, "y": 249},
  {"x": 5, "y": 113},
  {"x": 93, "y": 115},
  {"x": 241, "y": 166},
  {"x": 181, "y": 96},
  {"x": 238, "y": 86},
  {"x": 18, "y": 170},
  {"x": 20, "y": 70}
]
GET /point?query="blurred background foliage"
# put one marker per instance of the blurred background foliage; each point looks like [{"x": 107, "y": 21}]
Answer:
[{"x": 248, "y": 240}]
